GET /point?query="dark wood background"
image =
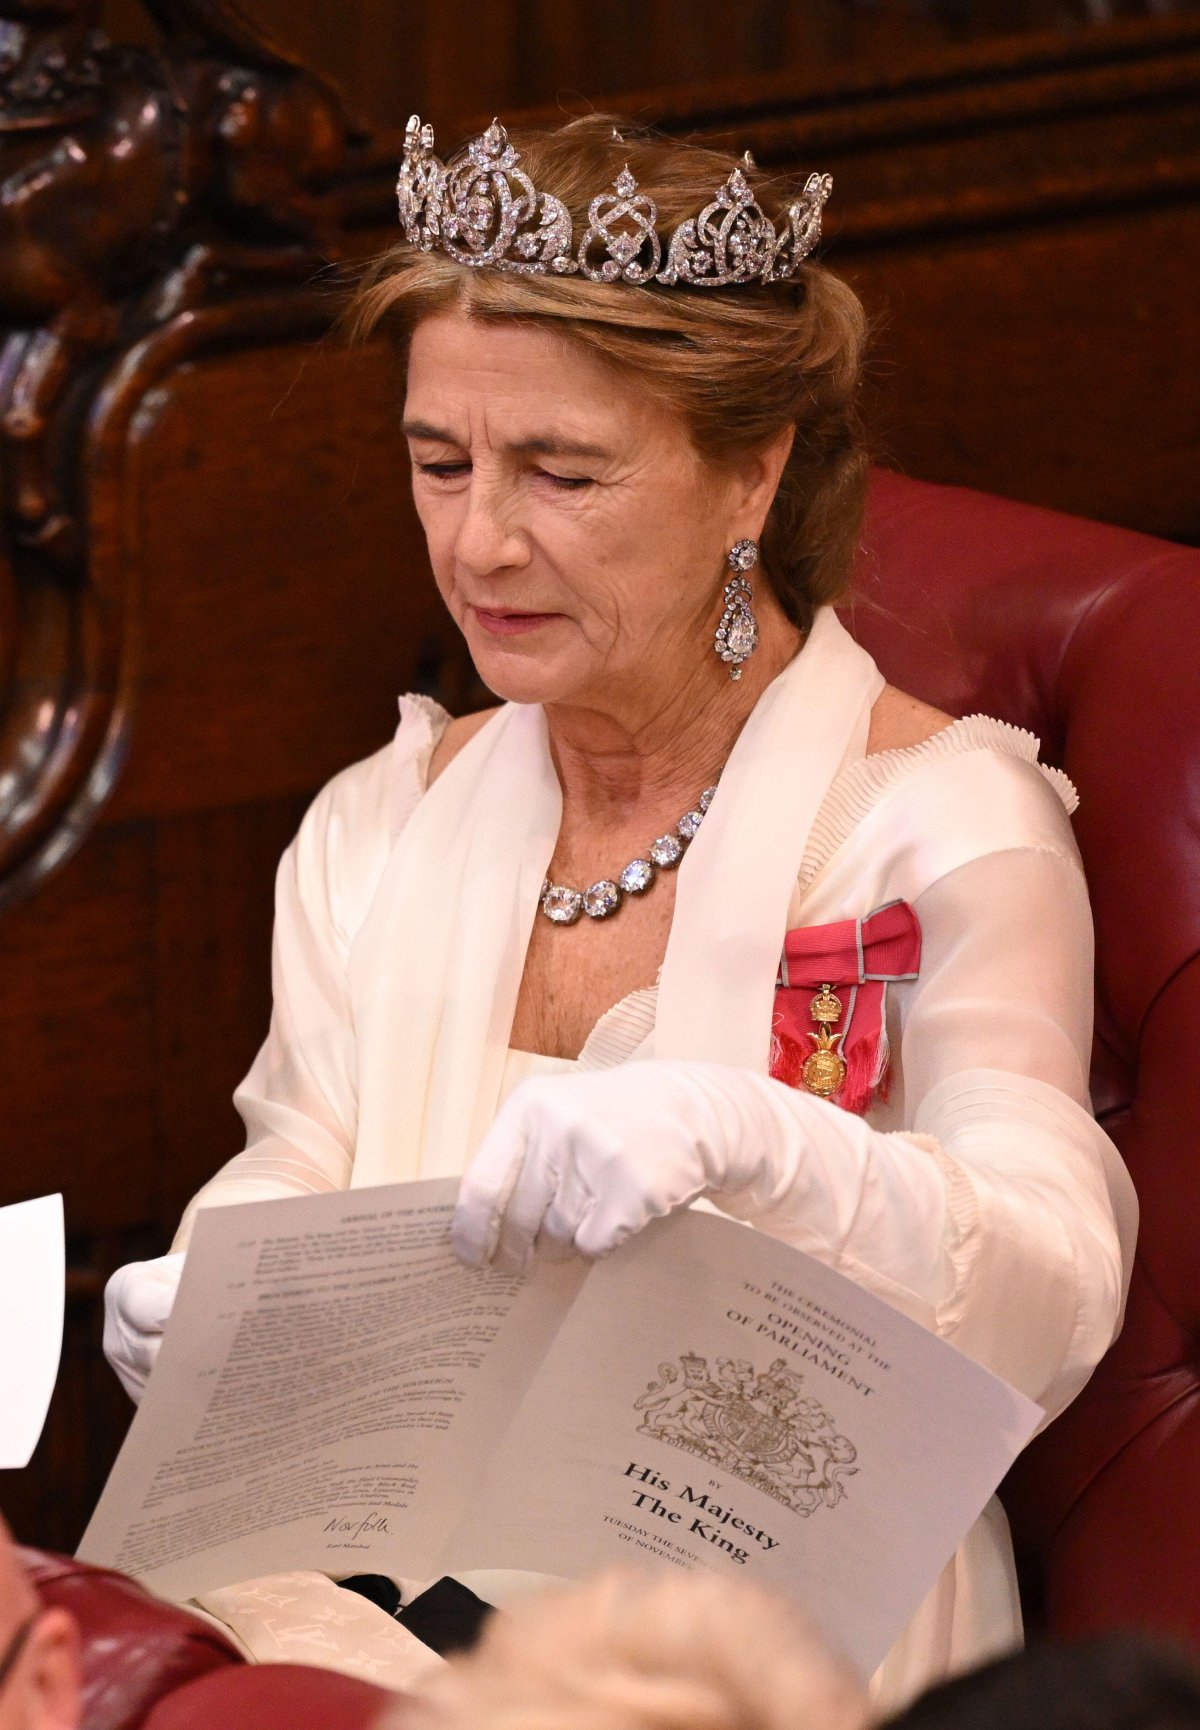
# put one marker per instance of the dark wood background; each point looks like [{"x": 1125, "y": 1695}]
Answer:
[
  {"x": 456, "y": 61},
  {"x": 211, "y": 584}
]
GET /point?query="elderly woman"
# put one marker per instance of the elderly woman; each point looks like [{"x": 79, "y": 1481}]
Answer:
[{"x": 625, "y": 941}]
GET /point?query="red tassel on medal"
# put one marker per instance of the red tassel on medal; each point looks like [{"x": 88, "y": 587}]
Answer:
[
  {"x": 829, "y": 1034},
  {"x": 787, "y": 1059},
  {"x": 862, "y": 1066}
]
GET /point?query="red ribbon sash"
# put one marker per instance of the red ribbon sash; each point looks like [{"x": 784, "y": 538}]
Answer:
[{"x": 858, "y": 959}]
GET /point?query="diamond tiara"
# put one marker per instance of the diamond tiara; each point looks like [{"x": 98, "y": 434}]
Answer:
[{"x": 482, "y": 209}]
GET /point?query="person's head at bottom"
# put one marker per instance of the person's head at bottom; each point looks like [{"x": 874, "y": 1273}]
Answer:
[
  {"x": 40, "y": 1681},
  {"x": 1111, "y": 1682},
  {"x": 632, "y": 1651}
]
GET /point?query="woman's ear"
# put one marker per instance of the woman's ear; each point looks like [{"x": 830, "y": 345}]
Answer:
[{"x": 759, "y": 473}]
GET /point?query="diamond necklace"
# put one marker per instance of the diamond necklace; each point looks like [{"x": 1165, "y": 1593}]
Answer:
[{"x": 563, "y": 905}]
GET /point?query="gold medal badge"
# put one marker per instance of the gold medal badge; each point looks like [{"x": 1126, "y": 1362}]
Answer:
[{"x": 825, "y": 1068}]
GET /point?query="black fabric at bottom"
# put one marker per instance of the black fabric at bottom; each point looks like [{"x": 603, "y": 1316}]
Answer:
[
  {"x": 377, "y": 1588},
  {"x": 448, "y": 1617}
]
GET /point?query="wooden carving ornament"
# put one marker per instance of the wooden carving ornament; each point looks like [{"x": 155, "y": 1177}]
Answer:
[{"x": 137, "y": 187}]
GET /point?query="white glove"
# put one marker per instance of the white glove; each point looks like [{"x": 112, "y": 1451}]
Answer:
[
  {"x": 138, "y": 1300},
  {"x": 576, "y": 1163}
]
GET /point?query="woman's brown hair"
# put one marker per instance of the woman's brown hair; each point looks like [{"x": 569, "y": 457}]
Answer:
[{"x": 736, "y": 364}]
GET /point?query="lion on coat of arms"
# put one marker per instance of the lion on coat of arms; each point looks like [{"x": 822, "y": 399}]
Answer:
[{"x": 757, "y": 1425}]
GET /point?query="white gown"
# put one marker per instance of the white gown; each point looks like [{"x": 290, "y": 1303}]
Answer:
[{"x": 1017, "y": 1241}]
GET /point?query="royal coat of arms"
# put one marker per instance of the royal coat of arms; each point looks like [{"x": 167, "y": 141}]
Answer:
[{"x": 756, "y": 1424}]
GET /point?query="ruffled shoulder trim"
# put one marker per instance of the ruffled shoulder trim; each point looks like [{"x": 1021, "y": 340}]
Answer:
[
  {"x": 422, "y": 723},
  {"x": 621, "y": 1030},
  {"x": 858, "y": 789}
]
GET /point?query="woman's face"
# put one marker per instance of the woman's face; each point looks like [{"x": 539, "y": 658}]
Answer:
[{"x": 575, "y": 535}]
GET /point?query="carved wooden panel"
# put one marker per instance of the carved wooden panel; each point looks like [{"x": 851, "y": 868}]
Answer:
[
  {"x": 455, "y": 61},
  {"x": 1022, "y": 221},
  {"x": 262, "y": 511},
  {"x": 76, "y": 1030},
  {"x": 203, "y": 613},
  {"x": 1048, "y": 367}
]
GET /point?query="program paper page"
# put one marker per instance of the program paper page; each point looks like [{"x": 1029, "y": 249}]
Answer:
[
  {"x": 718, "y": 1400},
  {"x": 332, "y": 1377},
  {"x": 337, "y": 1392},
  {"x": 32, "y": 1288}
]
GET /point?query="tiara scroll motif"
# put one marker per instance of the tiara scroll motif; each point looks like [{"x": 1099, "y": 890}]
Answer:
[{"x": 482, "y": 209}]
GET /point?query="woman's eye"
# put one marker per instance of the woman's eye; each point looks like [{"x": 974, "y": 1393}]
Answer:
[
  {"x": 569, "y": 483},
  {"x": 444, "y": 471},
  {"x": 455, "y": 471}
]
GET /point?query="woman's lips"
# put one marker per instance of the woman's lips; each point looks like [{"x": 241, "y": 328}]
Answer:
[{"x": 506, "y": 624}]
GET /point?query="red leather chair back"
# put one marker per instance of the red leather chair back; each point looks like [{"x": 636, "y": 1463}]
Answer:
[
  {"x": 279, "y": 1697},
  {"x": 135, "y": 1647},
  {"x": 1090, "y": 637},
  {"x": 148, "y": 1665}
]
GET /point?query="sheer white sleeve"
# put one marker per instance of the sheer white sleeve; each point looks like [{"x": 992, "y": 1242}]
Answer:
[
  {"x": 299, "y": 1102},
  {"x": 1001, "y": 1214},
  {"x": 996, "y": 1048}
]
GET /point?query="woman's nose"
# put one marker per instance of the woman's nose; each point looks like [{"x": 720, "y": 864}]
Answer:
[{"x": 489, "y": 537}]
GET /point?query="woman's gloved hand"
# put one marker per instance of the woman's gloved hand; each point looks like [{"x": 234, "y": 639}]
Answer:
[
  {"x": 138, "y": 1301},
  {"x": 577, "y": 1163}
]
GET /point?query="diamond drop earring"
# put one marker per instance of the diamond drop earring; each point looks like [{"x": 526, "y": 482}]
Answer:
[{"x": 737, "y": 634}]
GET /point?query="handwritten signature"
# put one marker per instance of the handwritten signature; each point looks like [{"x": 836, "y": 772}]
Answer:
[{"x": 351, "y": 1528}]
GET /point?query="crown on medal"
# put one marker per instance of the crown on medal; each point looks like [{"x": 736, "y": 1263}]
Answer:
[{"x": 482, "y": 209}]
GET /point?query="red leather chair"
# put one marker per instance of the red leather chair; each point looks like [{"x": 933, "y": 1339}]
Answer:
[
  {"x": 279, "y": 1696},
  {"x": 1090, "y": 637},
  {"x": 148, "y": 1665}
]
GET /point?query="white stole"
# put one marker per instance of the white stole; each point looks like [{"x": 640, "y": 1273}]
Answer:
[{"x": 437, "y": 967}]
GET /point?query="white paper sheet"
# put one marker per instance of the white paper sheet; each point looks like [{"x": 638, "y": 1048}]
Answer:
[
  {"x": 336, "y": 1392},
  {"x": 32, "y": 1285}
]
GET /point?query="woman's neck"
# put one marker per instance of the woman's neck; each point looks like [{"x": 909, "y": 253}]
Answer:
[{"x": 663, "y": 745}]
